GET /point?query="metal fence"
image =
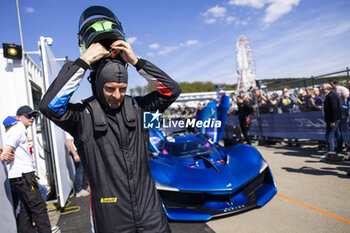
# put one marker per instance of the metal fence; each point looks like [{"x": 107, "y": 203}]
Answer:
[{"x": 313, "y": 81}]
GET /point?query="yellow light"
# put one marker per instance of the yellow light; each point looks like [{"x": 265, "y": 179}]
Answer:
[{"x": 12, "y": 51}]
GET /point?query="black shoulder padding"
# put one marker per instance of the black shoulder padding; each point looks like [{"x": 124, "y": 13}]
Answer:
[
  {"x": 129, "y": 109},
  {"x": 98, "y": 115}
]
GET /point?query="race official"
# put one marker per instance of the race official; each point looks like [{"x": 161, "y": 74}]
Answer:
[{"x": 21, "y": 173}]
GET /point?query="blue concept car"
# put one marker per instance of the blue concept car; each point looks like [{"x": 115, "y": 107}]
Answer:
[{"x": 197, "y": 179}]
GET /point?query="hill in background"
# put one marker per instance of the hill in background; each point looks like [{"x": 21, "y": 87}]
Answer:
[{"x": 271, "y": 84}]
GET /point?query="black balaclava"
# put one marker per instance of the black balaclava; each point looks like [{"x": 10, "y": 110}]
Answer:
[{"x": 109, "y": 70}]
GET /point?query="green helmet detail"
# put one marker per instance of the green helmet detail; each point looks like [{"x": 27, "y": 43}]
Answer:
[{"x": 98, "y": 23}]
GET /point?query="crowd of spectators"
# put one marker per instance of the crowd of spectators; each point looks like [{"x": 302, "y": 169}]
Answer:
[
  {"x": 284, "y": 101},
  {"x": 302, "y": 100},
  {"x": 299, "y": 101},
  {"x": 277, "y": 102}
]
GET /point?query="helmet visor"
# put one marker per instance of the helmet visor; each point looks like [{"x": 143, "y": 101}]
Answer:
[
  {"x": 96, "y": 11},
  {"x": 98, "y": 28}
]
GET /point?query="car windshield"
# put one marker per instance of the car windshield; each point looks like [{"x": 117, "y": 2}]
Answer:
[{"x": 196, "y": 147}]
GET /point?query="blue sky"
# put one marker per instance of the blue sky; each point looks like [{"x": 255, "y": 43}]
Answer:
[{"x": 195, "y": 40}]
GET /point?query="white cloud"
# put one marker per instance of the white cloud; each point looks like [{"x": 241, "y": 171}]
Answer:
[
  {"x": 216, "y": 12},
  {"x": 251, "y": 3},
  {"x": 132, "y": 39},
  {"x": 29, "y": 9},
  {"x": 192, "y": 42},
  {"x": 210, "y": 21},
  {"x": 154, "y": 46},
  {"x": 150, "y": 54},
  {"x": 278, "y": 8},
  {"x": 274, "y": 10},
  {"x": 198, "y": 70},
  {"x": 295, "y": 51},
  {"x": 230, "y": 19},
  {"x": 340, "y": 28},
  {"x": 168, "y": 49},
  {"x": 244, "y": 22}
]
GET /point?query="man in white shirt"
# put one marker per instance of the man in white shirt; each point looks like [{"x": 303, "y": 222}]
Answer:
[
  {"x": 342, "y": 92},
  {"x": 7, "y": 214},
  {"x": 21, "y": 173}
]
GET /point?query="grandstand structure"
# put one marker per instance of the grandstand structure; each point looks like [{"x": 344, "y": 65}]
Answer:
[{"x": 245, "y": 65}]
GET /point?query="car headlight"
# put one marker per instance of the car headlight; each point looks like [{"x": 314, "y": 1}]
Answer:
[
  {"x": 164, "y": 187},
  {"x": 263, "y": 166}
]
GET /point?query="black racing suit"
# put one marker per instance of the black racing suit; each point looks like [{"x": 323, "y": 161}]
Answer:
[{"x": 114, "y": 155}]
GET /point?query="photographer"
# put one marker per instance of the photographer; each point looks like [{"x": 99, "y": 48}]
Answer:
[
  {"x": 302, "y": 99},
  {"x": 286, "y": 103},
  {"x": 272, "y": 103},
  {"x": 313, "y": 103}
]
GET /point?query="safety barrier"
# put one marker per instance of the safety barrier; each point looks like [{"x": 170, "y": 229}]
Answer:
[{"x": 300, "y": 125}]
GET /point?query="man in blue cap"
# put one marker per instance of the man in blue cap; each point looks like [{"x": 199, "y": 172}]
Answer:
[
  {"x": 9, "y": 122},
  {"x": 21, "y": 173}
]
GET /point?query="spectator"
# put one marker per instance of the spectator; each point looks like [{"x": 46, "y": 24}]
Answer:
[
  {"x": 340, "y": 91},
  {"x": 317, "y": 92},
  {"x": 80, "y": 181},
  {"x": 317, "y": 100},
  {"x": 233, "y": 105},
  {"x": 345, "y": 109},
  {"x": 273, "y": 103},
  {"x": 302, "y": 99},
  {"x": 309, "y": 99},
  {"x": 286, "y": 103},
  {"x": 244, "y": 111},
  {"x": 21, "y": 173},
  {"x": 343, "y": 94},
  {"x": 332, "y": 113},
  {"x": 263, "y": 105},
  {"x": 313, "y": 102},
  {"x": 8, "y": 217},
  {"x": 9, "y": 122},
  {"x": 199, "y": 107}
]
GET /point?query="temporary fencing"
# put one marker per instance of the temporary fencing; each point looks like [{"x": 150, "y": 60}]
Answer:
[{"x": 299, "y": 125}]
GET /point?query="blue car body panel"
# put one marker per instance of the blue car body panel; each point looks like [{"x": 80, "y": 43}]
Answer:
[
  {"x": 225, "y": 104},
  {"x": 209, "y": 112},
  {"x": 207, "y": 180}
]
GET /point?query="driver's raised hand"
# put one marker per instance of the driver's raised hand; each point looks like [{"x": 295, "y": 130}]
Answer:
[
  {"x": 95, "y": 52},
  {"x": 126, "y": 51}
]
